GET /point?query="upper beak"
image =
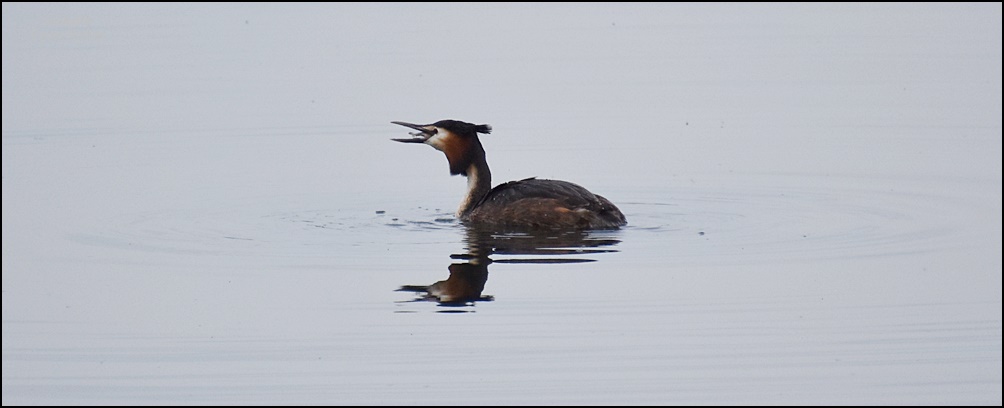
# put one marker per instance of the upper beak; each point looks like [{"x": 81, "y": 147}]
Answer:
[{"x": 421, "y": 136}]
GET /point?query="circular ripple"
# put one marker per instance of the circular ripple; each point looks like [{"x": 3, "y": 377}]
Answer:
[
  {"x": 706, "y": 225},
  {"x": 747, "y": 225}
]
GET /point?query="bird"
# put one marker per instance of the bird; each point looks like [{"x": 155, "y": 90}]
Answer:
[{"x": 528, "y": 204}]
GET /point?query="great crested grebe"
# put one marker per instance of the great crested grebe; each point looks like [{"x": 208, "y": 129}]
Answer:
[{"x": 525, "y": 204}]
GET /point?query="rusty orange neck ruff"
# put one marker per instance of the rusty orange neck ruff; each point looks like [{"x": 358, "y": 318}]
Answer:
[{"x": 467, "y": 158}]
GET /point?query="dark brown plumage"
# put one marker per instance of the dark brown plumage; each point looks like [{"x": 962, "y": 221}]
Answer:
[{"x": 551, "y": 204}]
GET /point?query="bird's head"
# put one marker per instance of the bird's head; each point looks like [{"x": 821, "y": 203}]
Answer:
[{"x": 458, "y": 140}]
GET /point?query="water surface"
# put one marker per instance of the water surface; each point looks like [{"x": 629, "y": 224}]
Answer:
[{"x": 201, "y": 204}]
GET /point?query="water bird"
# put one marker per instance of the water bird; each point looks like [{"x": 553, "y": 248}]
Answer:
[{"x": 527, "y": 204}]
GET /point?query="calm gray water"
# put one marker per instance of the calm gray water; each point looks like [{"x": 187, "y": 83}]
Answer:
[{"x": 201, "y": 204}]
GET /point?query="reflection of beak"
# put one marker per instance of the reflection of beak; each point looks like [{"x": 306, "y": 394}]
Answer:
[{"x": 421, "y": 136}]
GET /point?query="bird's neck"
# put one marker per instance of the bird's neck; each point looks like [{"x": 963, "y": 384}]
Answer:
[{"x": 479, "y": 183}]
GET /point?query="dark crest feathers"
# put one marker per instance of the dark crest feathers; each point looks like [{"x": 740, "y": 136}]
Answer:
[{"x": 463, "y": 128}]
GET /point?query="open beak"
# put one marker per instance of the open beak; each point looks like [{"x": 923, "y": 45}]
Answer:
[{"x": 423, "y": 133}]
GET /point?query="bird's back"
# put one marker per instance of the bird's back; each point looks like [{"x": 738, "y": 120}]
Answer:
[{"x": 545, "y": 204}]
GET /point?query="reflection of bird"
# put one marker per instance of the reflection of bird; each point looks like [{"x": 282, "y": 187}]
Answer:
[
  {"x": 465, "y": 284},
  {"x": 467, "y": 280},
  {"x": 538, "y": 244},
  {"x": 524, "y": 204}
]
